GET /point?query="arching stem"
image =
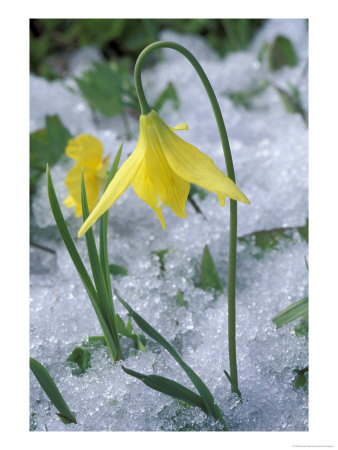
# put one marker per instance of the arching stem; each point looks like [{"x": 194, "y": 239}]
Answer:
[{"x": 145, "y": 109}]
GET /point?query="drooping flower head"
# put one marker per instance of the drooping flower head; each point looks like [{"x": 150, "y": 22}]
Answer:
[
  {"x": 160, "y": 171},
  {"x": 88, "y": 152}
]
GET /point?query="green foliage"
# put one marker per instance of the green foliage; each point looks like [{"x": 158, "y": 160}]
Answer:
[
  {"x": 161, "y": 254},
  {"x": 302, "y": 378},
  {"x": 292, "y": 312},
  {"x": 304, "y": 232},
  {"x": 117, "y": 270},
  {"x": 208, "y": 400},
  {"x": 282, "y": 53},
  {"x": 302, "y": 329},
  {"x": 169, "y": 387},
  {"x": 234, "y": 387},
  {"x": 229, "y": 35},
  {"x": 109, "y": 89},
  {"x": 180, "y": 299},
  {"x": 100, "y": 295},
  {"x": 245, "y": 98},
  {"x": 81, "y": 357},
  {"x": 103, "y": 88},
  {"x": 51, "y": 390},
  {"x": 32, "y": 422},
  {"x": 169, "y": 93},
  {"x": 126, "y": 38},
  {"x": 126, "y": 330},
  {"x": 292, "y": 101},
  {"x": 209, "y": 274},
  {"x": 93, "y": 340},
  {"x": 265, "y": 240},
  {"x": 46, "y": 147},
  {"x": 101, "y": 280}
]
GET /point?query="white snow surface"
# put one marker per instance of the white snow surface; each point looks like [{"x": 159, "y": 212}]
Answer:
[{"x": 269, "y": 147}]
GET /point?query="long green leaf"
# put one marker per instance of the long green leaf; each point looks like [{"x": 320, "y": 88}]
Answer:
[
  {"x": 203, "y": 390},
  {"x": 69, "y": 243},
  {"x": 169, "y": 387},
  {"x": 105, "y": 302},
  {"x": 292, "y": 312},
  {"x": 104, "y": 222},
  {"x": 209, "y": 275},
  {"x": 104, "y": 251},
  {"x": 233, "y": 385},
  {"x": 51, "y": 390},
  {"x": 67, "y": 239}
]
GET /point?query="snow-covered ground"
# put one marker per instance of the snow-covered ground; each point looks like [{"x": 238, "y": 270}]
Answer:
[{"x": 269, "y": 147}]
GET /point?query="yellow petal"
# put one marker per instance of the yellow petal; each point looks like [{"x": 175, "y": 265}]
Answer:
[
  {"x": 221, "y": 199},
  {"x": 145, "y": 189},
  {"x": 73, "y": 184},
  {"x": 71, "y": 203},
  {"x": 195, "y": 167},
  {"x": 87, "y": 150},
  {"x": 117, "y": 186},
  {"x": 171, "y": 188},
  {"x": 181, "y": 126}
]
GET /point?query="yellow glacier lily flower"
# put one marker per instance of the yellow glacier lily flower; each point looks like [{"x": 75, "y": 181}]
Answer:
[
  {"x": 88, "y": 152},
  {"x": 161, "y": 169}
]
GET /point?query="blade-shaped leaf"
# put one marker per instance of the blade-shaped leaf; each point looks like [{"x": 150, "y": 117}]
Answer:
[
  {"x": 233, "y": 385},
  {"x": 169, "y": 387},
  {"x": 105, "y": 302},
  {"x": 203, "y": 390},
  {"x": 69, "y": 243},
  {"x": 209, "y": 274},
  {"x": 104, "y": 249},
  {"x": 67, "y": 239},
  {"x": 51, "y": 390},
  {"x": 104, "y": 221},
  {"x": 292, "y": 312}
]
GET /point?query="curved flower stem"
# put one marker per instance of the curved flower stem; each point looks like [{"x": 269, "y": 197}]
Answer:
[{"x": 145, "y": 109}]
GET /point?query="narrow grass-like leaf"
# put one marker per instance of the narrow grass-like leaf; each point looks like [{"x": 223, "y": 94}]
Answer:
[
  {"x": 138, "y": 339},
  {"x": 209, "y": 274},
  {"x": 104, "y": 249},
  {"x": 161, "y": 254},
  {"x": 105, "y": 302},
  {"x": 203, "y": 390},
  {"x": 180, "y": 298},
  {"x": 51, "y": 390},
  {"x": 169, "y": 387},
  {"x": 104, "y": 221},
  {"x": 233, "y": 385},
  {"x": 69, "y": 243},
  {"x": 292, "y": 312},
  {"x": 67, "y": 239}
]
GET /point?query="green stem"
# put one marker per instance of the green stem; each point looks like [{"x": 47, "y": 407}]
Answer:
[{"x": 145, "y": 109}]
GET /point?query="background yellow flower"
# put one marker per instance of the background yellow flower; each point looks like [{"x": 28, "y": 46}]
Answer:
[{"x": 88, "y": 152}]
